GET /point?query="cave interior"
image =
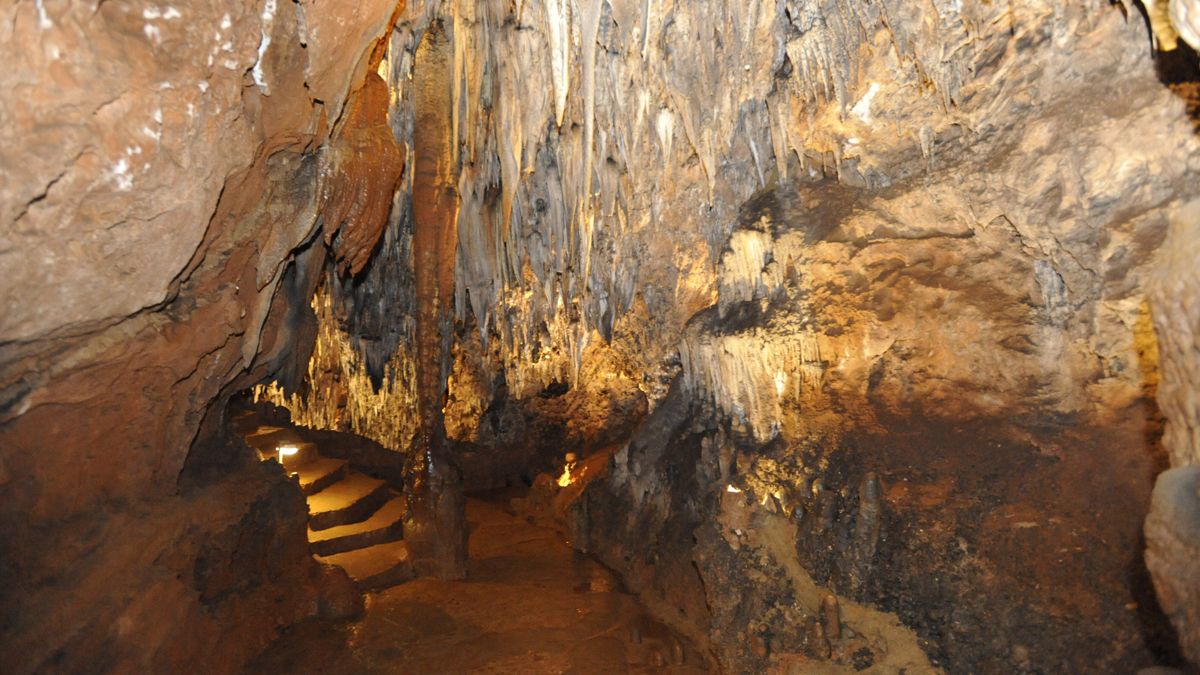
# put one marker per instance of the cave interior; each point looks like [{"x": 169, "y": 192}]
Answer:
[{"x": 600, "y": 336}]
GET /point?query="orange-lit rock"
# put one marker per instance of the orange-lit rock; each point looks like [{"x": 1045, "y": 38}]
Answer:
[
  {"x": 363, "y": 164},
  {"x": 906, "y": 274},
  {"x": 160, "y": 181}
]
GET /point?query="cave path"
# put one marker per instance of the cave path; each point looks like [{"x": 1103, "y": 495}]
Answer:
[{"x": 530, "y": 605}]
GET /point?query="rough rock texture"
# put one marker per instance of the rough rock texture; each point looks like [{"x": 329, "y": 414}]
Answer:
[
  {"x": 1176, "y": 305},
  {"x": 834, "y": 220},
  {"x": 159, "y": 587},
  {"x": 364, "y": 165},
  {"x": 974, "y": 173},
  {"x": 339, "y": 393},
  {"x": 158, "y": 215},
  {"x": 1172, "y": 538},
  {"x": 980, "y": 546},
  {"x": 1172, "y": 549},
  {"x": 831, "y": 219}
]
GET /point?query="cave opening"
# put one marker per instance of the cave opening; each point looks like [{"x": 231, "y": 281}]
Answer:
[{"x": 600, "y": 336}]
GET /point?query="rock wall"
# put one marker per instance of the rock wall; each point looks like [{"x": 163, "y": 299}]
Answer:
[
  {"x": 1173, "y": 525},
  {"x": 825, "y": 218},
  {"x": 935, "y": 161},
  {"x": 647, "y": 144},
  {"x": 822, "y": 216},
  {"x": 159, "y": 232}
]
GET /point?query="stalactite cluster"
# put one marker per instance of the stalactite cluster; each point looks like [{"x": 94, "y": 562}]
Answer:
[
  {"x": 340, "y": 393},
  {"x": 863, "y": 317}
]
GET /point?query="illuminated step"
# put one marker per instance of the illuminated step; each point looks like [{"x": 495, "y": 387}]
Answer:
[
  {"x": 349, "y": 500},
  {"x": 319, "y": 474},
  {"x": 282, "y": 444},
  {"x": 375, "y": 567},
  {"x": 386, "y": 524}
]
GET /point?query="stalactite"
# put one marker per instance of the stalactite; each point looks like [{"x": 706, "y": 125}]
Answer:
[
  {"x": 362, "y": 167},
  {"x": 340, "y": 394},
  {"x": 554, "y": 145},
  {"x": 525, "y": 137}
]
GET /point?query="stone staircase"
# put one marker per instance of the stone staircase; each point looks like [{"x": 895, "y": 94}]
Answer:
[{"x": 354, "y": 521}]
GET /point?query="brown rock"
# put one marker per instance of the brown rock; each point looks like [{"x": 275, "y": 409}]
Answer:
[
  {"x": 339, "y": 598},
  {"x": 1173, "y": 552}
]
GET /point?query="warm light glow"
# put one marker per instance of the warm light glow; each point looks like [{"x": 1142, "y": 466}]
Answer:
[
  {"x": 286, "y": 451},
  {"x": 731, "y": 488},
  {"x": 565, "y": 479}
]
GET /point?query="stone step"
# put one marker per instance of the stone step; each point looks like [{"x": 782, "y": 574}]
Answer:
[
  {"x": 386, "y": 524},
  {"x": 375, "y": 567},
  {"x": 349, "y": 500},
  {"x": 320, "y": 473}
]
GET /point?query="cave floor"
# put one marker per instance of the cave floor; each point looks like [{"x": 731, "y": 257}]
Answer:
[{"x": 530, "y": 605}]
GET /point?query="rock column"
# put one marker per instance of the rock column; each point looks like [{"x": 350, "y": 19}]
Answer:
[{"x": 437, "y": 528}]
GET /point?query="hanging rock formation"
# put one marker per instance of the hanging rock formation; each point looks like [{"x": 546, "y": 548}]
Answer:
[
  {"x": 883, "y": 277},
  {"x": 364, "y": 169},
  {"x": 825, "y": 221}
]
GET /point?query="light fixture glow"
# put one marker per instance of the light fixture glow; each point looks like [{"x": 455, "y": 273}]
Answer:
[
  {"x": 286, "y": 451},
  {"x": 566, "y": 479}
]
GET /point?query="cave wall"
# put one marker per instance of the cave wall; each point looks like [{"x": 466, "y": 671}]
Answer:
[
  {"x": 1173, "y": 524},
  {"x": 822, "y": 218},
  {"x": 903, "y": 160},
  {"x": 803, "y": 210},
  {"x": 608, "y": 199},
  {"x": 160, "y": 243}
]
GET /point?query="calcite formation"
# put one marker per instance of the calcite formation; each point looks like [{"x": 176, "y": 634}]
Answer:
[
  {"x": 782, "y": 232},
  {"x": 822, "y": 219},
  {"x": 363, "y": 168}
]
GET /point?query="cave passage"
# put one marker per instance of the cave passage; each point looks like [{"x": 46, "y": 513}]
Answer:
[
  {"x": 600, "y": 336},
  {"x": 532, "y": 605}
]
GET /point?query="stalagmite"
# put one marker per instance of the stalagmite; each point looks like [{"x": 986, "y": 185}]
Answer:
[{"x": 852, "y": 336}]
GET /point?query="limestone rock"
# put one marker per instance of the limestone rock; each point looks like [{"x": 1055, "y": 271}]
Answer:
[
  {"x": 159, "y": 189},
  {"x": 1173, "y": 552},
  {"x": 1176, "y": 309},
  {"x": 339, "y": 600}
]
